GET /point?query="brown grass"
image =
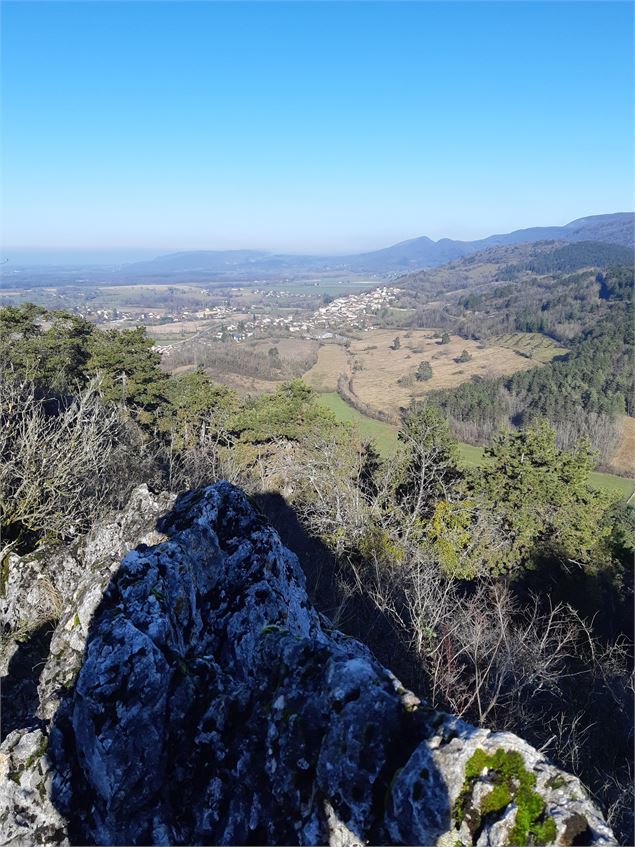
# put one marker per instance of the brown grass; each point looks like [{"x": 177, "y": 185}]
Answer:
[
  {"x": 376, "y": 369},
  {"x": 176, "y": 328},
  {"x": 332, "y": 361},
  {"x": 243, "y": 385},
  {"x": 623, "y": 460},
  {"x": 289, "y": 348}
]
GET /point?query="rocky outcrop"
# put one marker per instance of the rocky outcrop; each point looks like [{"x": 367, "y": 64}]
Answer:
[
  {"x": 191, "y": 695},
  {"x": 60, "y": 585}
]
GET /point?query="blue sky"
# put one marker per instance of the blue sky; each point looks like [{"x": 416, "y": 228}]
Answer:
[{"x": 310, "y": 126}]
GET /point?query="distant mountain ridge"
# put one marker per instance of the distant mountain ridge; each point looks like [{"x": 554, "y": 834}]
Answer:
[
  {"x": 612, "y": 229},
  {"x": 408, "y": 255}
]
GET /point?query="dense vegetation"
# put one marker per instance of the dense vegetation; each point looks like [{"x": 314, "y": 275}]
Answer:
[
  {"x": 570, "y": 257},
  {"x": 580, "y": 395},
  {"x": 486, "y": 577},
  {"x": 557, "y": 290}
]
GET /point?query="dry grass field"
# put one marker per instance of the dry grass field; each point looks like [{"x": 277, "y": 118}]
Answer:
[
  {"x": 541, "y": 348},
  {"x": 176, "y": 328},
  {"x": 243, "y": 385},
  {"x": 377, "y": 369},
  {"x": 293, "y": 349},
  {"x": 624, "y": 458},
  {"x": 332, "y": 361},
  {"x": 384, "y": 378}
]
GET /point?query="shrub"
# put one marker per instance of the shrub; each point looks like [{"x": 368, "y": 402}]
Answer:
[
  {"x": 424, "y": 372},
  {"x": 60, "y": 462}
]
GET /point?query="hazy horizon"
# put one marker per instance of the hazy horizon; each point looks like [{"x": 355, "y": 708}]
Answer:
[
  {"x": 121, "y": 255},
  {"x": 133, "y": 129}
]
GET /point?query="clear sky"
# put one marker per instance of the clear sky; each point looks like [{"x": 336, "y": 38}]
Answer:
[{"x": 310, "y": 126}]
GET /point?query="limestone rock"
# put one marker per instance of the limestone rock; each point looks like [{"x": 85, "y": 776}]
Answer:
[
  {"x": 27, "y": 813},
  {"x": 35, "y": 588},
  {"x": 206, "y": 702},
  {"x": 60, "y": 584}
]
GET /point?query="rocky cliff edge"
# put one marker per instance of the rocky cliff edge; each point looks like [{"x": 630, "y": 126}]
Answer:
[{"x": 190, "y": 694}]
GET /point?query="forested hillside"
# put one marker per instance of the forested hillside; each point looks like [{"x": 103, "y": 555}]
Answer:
[
  {"x": 546, "y": 288},
  {"x": 505, "y": 592},
  {"x": 583, "y": 392},
  {"x": 571, "y": 257}
]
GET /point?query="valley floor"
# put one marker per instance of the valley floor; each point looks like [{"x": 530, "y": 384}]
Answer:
[
  {"x": 385, "y": 437},
  {"x": 383, "y": 376}
]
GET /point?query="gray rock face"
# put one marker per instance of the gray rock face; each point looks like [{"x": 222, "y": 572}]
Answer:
[
  {"x": 37, "y": 587},
  {"x": 62, "y": 585},
  {"x": 206, "y": 702}
]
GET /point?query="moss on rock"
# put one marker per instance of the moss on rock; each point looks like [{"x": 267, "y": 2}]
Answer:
[{"x": 511, "y": 782}]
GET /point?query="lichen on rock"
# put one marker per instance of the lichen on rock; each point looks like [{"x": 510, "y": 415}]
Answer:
[{"x": 204, "y": 702}]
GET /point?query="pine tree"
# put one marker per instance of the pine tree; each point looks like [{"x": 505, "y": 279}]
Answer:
[{"x": 129, "y": 370}]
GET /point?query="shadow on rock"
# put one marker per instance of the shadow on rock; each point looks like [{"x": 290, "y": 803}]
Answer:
[
  {"x": 351, "y": 612},
  {"x": 213, "y": 705},
  {"x": 193, "y": 694},
  {"x": 19, "y": 695}
]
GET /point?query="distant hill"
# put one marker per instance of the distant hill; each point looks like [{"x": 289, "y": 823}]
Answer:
[
  {"x": 423, "y": 252},
  {"x": 416, "y": 253},
  {"x": 201, "y": 260},
  {"x": 515, "y": 262}
]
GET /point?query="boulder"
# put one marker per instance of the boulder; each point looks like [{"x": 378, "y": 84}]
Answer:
[{"x": 192, "y": 695}]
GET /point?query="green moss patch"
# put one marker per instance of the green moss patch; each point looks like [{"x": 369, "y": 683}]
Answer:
[
  {"x": 41, "y": 749},
  {"x": 511, "y": 782}
]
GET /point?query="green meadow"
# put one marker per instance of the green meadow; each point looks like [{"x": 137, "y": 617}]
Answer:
[
  {"x": 385, "y": 438},
  {"x": 384, "y": 435}
]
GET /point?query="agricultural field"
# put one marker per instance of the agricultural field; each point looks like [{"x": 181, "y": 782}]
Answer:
[
  {"x": 624, "y": 456},
  {"x": 243, "y": 384},
  {"x": 158, "y": 299},
  {"x": 474, "y": 456},
  {"x": 291, "y": 349},
  {"x": 333, "y": 284},
  {"x": 539, "y": 347},
  {"x": 332, "y": 361},
  {"x": 383, "y": 435},
  {"x": 168, "y": 331},
  {"x": 610, "y": 483},
  {"x": 384, "y": 379}
]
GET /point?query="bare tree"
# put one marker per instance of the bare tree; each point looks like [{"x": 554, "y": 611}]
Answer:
[{"x": 54, "y": 474}]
